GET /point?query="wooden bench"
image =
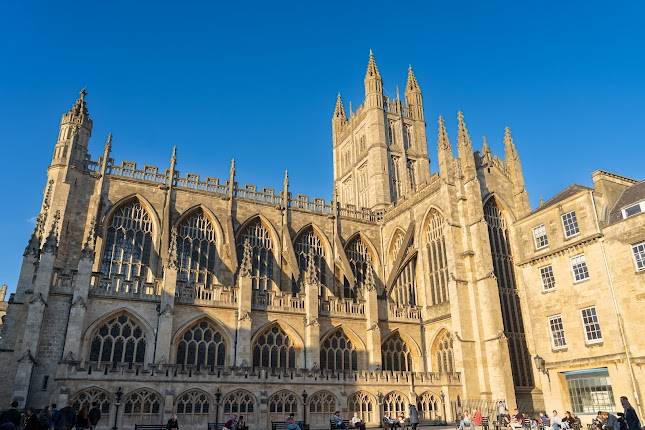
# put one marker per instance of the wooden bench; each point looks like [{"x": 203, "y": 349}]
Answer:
[
  {"x": 149, "y": 427},
  {"x": 332, "y": 425},
  {"x": 397, "y": 425},
  {"x": 212, "y": 426},
  {"x": 281, "y": 425}
]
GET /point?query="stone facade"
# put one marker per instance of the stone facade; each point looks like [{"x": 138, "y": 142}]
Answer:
[
  {"x": 583, "y": 289},
  {"x": 202, "y": 296}
]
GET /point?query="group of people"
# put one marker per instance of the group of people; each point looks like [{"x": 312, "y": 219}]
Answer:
[
  {"x": 401, "y": 421},
  {"x": 627, "y": 420},
  {"x": 232, "y": 423},
  {"x": 50, "y": 418}
]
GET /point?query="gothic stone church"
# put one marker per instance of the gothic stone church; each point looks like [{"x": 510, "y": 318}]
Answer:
[{"x": 197, "y": 294}]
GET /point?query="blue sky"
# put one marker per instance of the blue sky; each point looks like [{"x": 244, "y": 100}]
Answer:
[{"x": 257, "y": 82}]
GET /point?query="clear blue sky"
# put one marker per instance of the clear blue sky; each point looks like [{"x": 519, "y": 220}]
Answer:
[{"x": 258, "y": 81}]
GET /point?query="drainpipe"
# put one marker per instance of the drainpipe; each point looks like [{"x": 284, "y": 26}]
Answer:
[{"x": 621, "y": 328}]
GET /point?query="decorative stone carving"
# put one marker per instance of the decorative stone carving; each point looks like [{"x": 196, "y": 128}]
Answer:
[
  {"x": 172, "y": 249},
  {"x": 246, "y": 265}
]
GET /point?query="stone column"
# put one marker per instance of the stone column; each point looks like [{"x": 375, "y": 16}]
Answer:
[
  {"x": 167, "y": 304},
  {"x": 77, "y": 312},
  {"x": 243, "y": 356},
  {"x": 312, "y": 327},
  {"x": 373, "y": 334}
]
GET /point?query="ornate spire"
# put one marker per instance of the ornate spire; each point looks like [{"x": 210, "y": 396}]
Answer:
[
  {"x": 51, "y": 243},
  {"x": 90, "y": 240},
  {"x": 485, "y": 147},
  {"x": 509, "y": 147},
  {"x": 246, "y": 266},
  {"x": 33, "y": 246},
  {"x": 463, "y": 137},
  {"x": 311, "y": 274},
  {"x": 285, "y": 181},
  {"x": 412, "y": 85},
  {"x": 339, "y": 111},
  {"x": 443, "y": 142},
  {"x": 372, "y": 69},
  {"x": 80, "y": 107}
]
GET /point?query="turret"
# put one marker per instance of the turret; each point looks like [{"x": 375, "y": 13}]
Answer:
[
  {"x": 339, "y": 119},
  {"x": 444, "y": 152},
  {"x": 465, "y": 149},
  {"x": 514, "y": 166},
  {"x": 413, "y": 96},
  {"x": 74, "y": 134},
  {"x": 373, "y": 85}
]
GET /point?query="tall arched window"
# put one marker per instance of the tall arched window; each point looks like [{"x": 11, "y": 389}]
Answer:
[
  {"x": 281, "y": 404},
  {"x": 261, "y": 256},
  {"x": 509, "y": 299},
  {"x": 202, "y": 345},
  {"x": 309, "y": 241},
  {"x": 444, "y": 354},
  {"x": 436, "y": 243},
  {"x": 395, "y": 354},
  {"x": 428, "y": 406},
  {"x": 359, "y": 260},
  {"x": 274, "y": 348},
  {"x": 404, "y": 292},
  {"x": 395, "y": 404},
  {"x": 364, "y": 405},
  {"x": 239, "y": 402},
  {"x": 128, "y": 242},
  {"x": 193, "y": 402},
  {"x": 337, "y": 352},
  {"x": 322, "y": 405},
  {"x": 395, "y": 245},
  {"x": 118, "y": 340},
  {"x": 395, "y": 178},
  {"x": 142, "y": 407},
  {"x": 196, "y": 249},
  {"x": 87, "y": 398}
]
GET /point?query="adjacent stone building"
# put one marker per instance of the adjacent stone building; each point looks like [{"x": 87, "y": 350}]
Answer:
[{"x": 204, "y": 297}]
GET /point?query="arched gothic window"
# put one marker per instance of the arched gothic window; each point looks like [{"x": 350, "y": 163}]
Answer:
[
  {"x": 396, "y": 188},
  {"x": 396, "y": 355},
  {"x": 196, "y": 250},
  {"x": 283, "y": 403},
  {"x": 309, "y": 241},
  {"x": 274, "y": 348},
  {"x": 428, "y": 406},
  {"x": 119, "y": 340},
  {"x": 438, "y": 272},
  {"x": 337, "y": 352},
  {"x": 396, "y": 243},
  {"x": 194, "y": 402},
  {"x": 504, "y": 270},
  {"x": 364, "y": 405},
  {"x": 444, "y": 353},
  {"x": 322, "y": 404},
  {"x": 128, "y": 242},
  {"x": 239, "y": 402},
  {"x": 261, "y": 254},
  {"x": 409, "y": 136},
  {"x": 359, "y": 260},
  {"x": 89, "y": 396},
  {"x": 404, "y": 292},
  {"x": 142, "y": 406},
  {"x": 202, "y": 345},
  {"x": 395, "y": 404}
]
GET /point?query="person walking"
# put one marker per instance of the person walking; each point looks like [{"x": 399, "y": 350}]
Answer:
[
  {"x": 414, "y": 417},
  {"x": 11, "y": 415},
  {"x": 67, "y": 418},
  {"x": 54, "y": 415},
  {"x": 172, "y": 423},
  {"x": 31, "y": 420},
  {"x": 44, "y": 418},
  {"x": 631, "y": 418},
  {"x": 94, "y": 415},
  {"x": 82, "y": 419}
]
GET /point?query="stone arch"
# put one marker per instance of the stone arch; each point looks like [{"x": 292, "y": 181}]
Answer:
[
  {"x": 212, "y": 325},
  {"x": 322, "y": 253},
  {"x": 282, "y": 403},
  {"x": 376, "y": 261},
  {"x": 265, "y": 251},
  {"x": 191, "y": 402},
  {"x": 428, "y": 404},
  {"x": 505, "y": 207},
  {"x": 321, "y": 234},
  {"x": 443, "y": 355},
  {"x": 219, "y": 230},
  {"x": 142, "y": 406},
  {"x": 144, "y": 202},
  {"x": 322, "y": 404},
  {"x": 437, "y": 247},
  {"x": 423, "y": 226},
  {"x": 92, "y": 330},
  {"x": 396, "y": 241},
  {"x": 395, "y": 357},
  {"x": 341, "y": 349},
  {"x": 359, "y": 260},
  {"x": 365, "y": 405},
  {"x": 88, "y": 396},
  {"x": 395, "y": 403},
  {"x": 260, "y": 346},
  {"x": 275, "y": 237},
  {"x": 403, "y": 291}
]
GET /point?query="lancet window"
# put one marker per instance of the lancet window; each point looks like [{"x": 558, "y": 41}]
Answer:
[
  {"x": 261, "y": 254},
  {"x": 395, "y": 178},
  {"x": 396, "y": 355},
  {"x": 194, "y": 402},
  {"x": 274, "y": 348},
  {"x": 202, "y": 345},
  {"x": 428, "y": 406},
  {"x": 364, "y": 405},
  {"x": 142, "y": 405},
  {"x": 86, "y": 398},
  {"x": 322, "y": 405},
  {"x": 438, "y": 270},
  {"x": 404, "y": 292},
  {"x": 118, "y": 340},
  {"x": 284, "y": 402},
  {"x": 337, "y": 352},
  {"x": 308, "y": 241},
  {"x": 359, "y": 260},
  {"x": 128, "y": 242},
  {"x": 395, "y": 404},
  {"x": 196, "y": 250},
  {"x": 444, "y": 354}
]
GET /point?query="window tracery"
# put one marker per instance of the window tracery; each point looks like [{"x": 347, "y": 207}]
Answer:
[
  {"x": 308, "y": 241},
  {"x": 196, "y": 250},
  {"x": 436, "y": 245},
  {"x": 359, "y": 260},
  {"x": 395, "y": 404},
  {"x": 261, "y": 254},
  {"x": 337, "y": 352},
  {"x": 274, "y": 348},
  {"x": 444, "y": 354},
  {"x": 239, "y": 402},
  {"x": 404, "y": 292},
  {"x": 118, "y": 340},
  {"x": 396, "y": 355},
  {"x": 202, "y": 345},
  {"x": 364, "y": 405},
  {"x": 194, "y": 402},
  {"x": 87, "y": 398}
]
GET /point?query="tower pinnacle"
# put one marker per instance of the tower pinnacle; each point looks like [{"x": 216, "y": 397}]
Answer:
[
  {"x": 339, "y": 111},
  {"x": 412, "y": 84},
  {"x": 372, "y": 69}
]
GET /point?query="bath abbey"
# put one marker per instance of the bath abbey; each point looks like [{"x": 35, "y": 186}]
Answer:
[{"x": 154, "y": 292}]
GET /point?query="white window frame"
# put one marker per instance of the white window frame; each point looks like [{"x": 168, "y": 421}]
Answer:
[
  {"x": 545, "y": 236},
  {"x": 564, "y": 225},
  {"x": 573, "y": 271},
  {"x": 641, "y": 205},
  {"x": 584, "y": 326},
  {"x": 636, "y": 252},
  {"x": 564, "y": 334},
  {"x": 544, "y": 287}
]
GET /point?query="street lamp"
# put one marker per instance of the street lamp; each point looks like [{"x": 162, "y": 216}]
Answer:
[
  {"x": 443, "y": 405},
  {"x": 117, "y": 403},
  {"x": 540, "y": 364},
  {"x": 304, "y": 404},
  {"x": 218, "y": 396}
]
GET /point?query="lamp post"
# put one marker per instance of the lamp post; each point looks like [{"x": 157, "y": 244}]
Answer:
[
  {"x": 304, "y": 405},
  {"x": 218, "y": 396},
  {"x": 443, "y": 405},
  {"x": 117, "y": 403}
]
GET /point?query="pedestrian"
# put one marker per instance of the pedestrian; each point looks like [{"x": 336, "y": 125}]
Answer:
[
  {"x": 631, "y": 418},
  {"x": 82, "y": 419},
  {"x": 465, "y": 422},
  {"x": 11, "y": 415},
  {"x": 172, "y": 423},
  {"x": 44, "y": 418},
  {"x": 31, "y": 420},
  {"x": 67, "y": 418},
  {"x": 54, "y": 416},
  {"x": 477, "y": 418},
  {"x": 94, "y": 415},
  {"x": 241, "y": 424},
  {"x": 291, "y": 422},
  {"x": 414, "y": 417}
]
